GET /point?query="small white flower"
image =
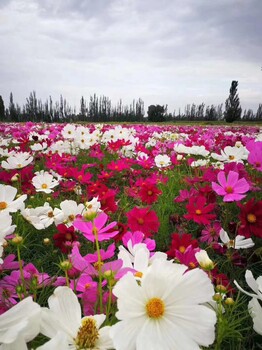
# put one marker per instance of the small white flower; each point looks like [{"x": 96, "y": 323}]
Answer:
[
  {"x": 17, "y": 161},
  {"x": 92, "y": 207},
  {"x": 231, "y": 154},
  {"x": 69, "y": 210},
  {"x": 44, "y": 182},
  {"x": 69, "y": 131},
  {"x": 240, "y": 242},
  {"x": 204, "y": 261},
  {"x": 7, "y": 202},
  {"x": 42, "y": 217},
  {"x": 162, "y": 160}
]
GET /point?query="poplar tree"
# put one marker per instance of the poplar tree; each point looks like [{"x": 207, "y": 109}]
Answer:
[{"x": 233, "y": 109}]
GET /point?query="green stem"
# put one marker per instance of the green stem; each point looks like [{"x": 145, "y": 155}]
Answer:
[
  {"x": 99, "y": 262},
  {"x": 67, "y": 279},
  {"x": 21, "y": 270},
  {"x": 109, "y": 303}
]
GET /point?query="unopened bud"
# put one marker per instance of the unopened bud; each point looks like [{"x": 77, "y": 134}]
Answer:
[
  {"x": 15, "y": 177},
  {"x": 221, "y": 289},
  {"x": 17, "y": 240},
  {"x": 229, "y": 301},
  {"x": 65, "y": 265},
  {"x": 46, "y": 241},
  {"x": 217, "y": 297}
]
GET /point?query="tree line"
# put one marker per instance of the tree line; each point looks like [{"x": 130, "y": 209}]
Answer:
[
  {"x": 97, "y": 109},
  {"x": 101, "y": 109}
]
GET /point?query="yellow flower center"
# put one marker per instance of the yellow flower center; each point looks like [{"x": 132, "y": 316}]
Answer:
[
  {"x": 68, "y": 236},
  {"x": 50, "y": 214},
  {"x": 71, "y": 217},
  {"x": 182, "y": 249},
  {"x": 198, "y": 212},
  {"x": 140, "y": 221},
  {"x": 3, "y": 205},
  {"x": 150, "y": 193},
  {"x": 229, "y": 189},
  {"x": 231, "y": 157},
  {"x": 251, "y": 218},
  {"x": 155, "y": 308},
  {"x": 231, "y": 243},
  {"x": 87, "y": 335},
  {"x": 192, "y": 265},
  {"x": 138, "y": 274},
  {"x": 98, "y": 265},
  {"x": 44, "y": 186}
]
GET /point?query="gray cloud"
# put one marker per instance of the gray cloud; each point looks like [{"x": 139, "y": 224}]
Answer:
[{"x": 166, "y": 52}]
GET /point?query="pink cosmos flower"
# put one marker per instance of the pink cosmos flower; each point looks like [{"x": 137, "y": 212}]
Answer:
[
  {"x": 210, "y": 233},
  {"x": 97, "y": 227},
  {"x": 255, "y": 154},
  {"x": 232, "y": 188},
  {"x": 138, "y": 237}
]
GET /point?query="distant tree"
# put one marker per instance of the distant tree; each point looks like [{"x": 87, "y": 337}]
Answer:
[
  {"x": 2, "y": 109},
  {"x": 14, "y": 117},
  {"x": 156, "y": 113},
  {"x": 232, "y": 106},
  {"x": 259, "y": 112}
]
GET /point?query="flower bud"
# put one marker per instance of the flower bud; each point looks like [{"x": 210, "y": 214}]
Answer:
[
  {"x": 17, "y": 240},
  {"x": 46, "y": 241},
  {"x": 65, "y": 265},
  {"x": 229, "y": 301}
]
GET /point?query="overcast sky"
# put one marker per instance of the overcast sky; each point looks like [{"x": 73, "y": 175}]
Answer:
[{"x": 170, "y": 52}]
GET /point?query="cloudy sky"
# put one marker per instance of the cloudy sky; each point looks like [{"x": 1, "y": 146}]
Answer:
[{"x": 170, "y": 52}]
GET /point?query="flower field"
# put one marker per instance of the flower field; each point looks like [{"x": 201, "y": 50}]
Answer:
[{"x": 130, "y": 237}]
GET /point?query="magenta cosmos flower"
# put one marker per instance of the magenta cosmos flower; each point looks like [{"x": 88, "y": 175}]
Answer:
[
  {"x": 97, "y": 227},
  {"x": 144, "y": 220},
  {"x": 232, "y": 188}
]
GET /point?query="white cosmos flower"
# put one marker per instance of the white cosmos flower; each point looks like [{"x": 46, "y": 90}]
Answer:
[
  {"x": 138, "y": 257},
  {"x": 255, "y": 285},
  {"x": 69, "y": 131},
  {"x": 19, "y": 325},
  {"x": 69, "y": 210},
  {"x": 63, "y": 320},
  {"x": 255, "y": 311},
  {"x": 240, "y": 242},
  {"x": 254, "y": 307},
  {"x": 231, "y": 154},
  {"x": 162, "y": 160},
  {"x": 92, "y": 207},
  {"x": 44, "y": 182},
  {"x": 38, "y": 146},
  {"x": 6, "y": 227},
  {"x": 7, "y": 202},
  {"x": 164, "y": 310},
  {"x": 42, "y": 217},
  {"x": 17, "y": 161}
]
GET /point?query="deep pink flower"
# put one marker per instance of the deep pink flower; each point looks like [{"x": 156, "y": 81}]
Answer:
[
  {"x": 96, "y": 228},
  {"x": 199, "y": 211},
  {"x": 210, "y": 233},
  {"x": 232, "y": 188},
  {"x": 143, "y": 219}
]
